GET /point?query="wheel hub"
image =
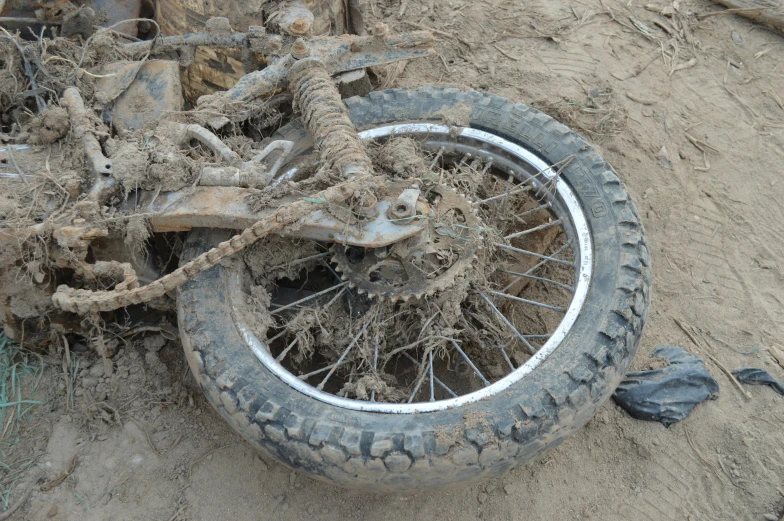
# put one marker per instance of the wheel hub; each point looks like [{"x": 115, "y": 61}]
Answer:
[{"x": 422, "y": 265}]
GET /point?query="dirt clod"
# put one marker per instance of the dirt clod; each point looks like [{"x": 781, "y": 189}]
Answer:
[
  {"x": 457, "y": 116},
  {"x": 49, "y": 126}
]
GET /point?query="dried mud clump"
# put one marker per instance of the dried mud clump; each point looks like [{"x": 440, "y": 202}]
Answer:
[
  {"x": 130, "y": 166},
  {"x": 401, "y": 157},
  {"x": 137, "y": 232},
  {"x": 49, "y": 126}
]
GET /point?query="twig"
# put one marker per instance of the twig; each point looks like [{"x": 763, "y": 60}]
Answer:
[
  {"x": 638, "y": 70},
  {"x": 177, "y": 513},
  {"x": 213, "y": 451},
  {"x": 775, "y": 98},
  {"x": 664, "y": 27},
  {"x": 777, "y": 355},
  {"x": 639, "y": 99},
  {"x": 403, "y": 6},
  {"x": 8, "y": 422},
  {"x": 688, "y": 333},
  {"x": 713, "y": 358},
  {"x": 67, "y": 371},
  {"x": 426, "y": 28},
  {"x": 506, "y": 53},
  {"x": 741, "y": 11},
  {"x": 729, "y": 374},
  {"x": 147, "y": 434},
  {"x": 62, "y": 477},
  {"x": 10, "y": 150},
  {"x": 22, "y": 500},
  {"x": 740, "y": 100},
  {"x": 702, "y": 145},
  {"x": 686, "y": 65},
  {"x": 176, "y": 442},
  {"x": 40, "y": 103},
  {"x": 703, "y": 458}
]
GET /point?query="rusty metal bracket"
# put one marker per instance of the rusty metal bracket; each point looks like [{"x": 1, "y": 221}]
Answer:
[
  {"x": 257, "y": 39},
  {"x": 226, "y": 207},
  {"x": 82, "y": 128},
  {"x": 337, "y": 54}
]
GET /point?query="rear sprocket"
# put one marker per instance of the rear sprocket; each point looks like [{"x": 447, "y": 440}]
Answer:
[{"x": 422, "y": 265}]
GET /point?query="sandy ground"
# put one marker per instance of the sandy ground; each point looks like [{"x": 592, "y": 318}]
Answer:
[{"x": 715, "y": 222}]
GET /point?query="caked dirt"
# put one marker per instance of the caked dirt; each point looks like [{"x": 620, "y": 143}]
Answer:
[{"x": 689, "y": 112}]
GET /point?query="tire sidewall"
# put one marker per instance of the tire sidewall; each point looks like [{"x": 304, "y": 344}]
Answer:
[{"x": 518, "y": 423}]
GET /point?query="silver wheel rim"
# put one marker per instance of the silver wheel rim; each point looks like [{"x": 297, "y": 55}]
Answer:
[{"x": 508, "y": 158}]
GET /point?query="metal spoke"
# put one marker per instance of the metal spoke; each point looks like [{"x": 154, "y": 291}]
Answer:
[
  {"x": 438, "y": 156},
  {"x": 513, "y": 192},
  {"x": 438, "y": 381},
  {"x": 534, "y": 254},
  {"x": 340, "y": 293},
  {"x": 286, "y": 351},
  {"x": 311, "y": 297},
  {"x": 531, "y": 348},
  {"x": 470, "y": 363},
  {"x": 465, "y": 158},
  {"x": 418, "y": 384},
  {"x": 533, "y": 277},
  {"x": 561, "y": 249},
  {"x": 317, "y": 371},
  {"x": 375, "y": 365},
  {"x": 487, "y": 166},
  {"x": 343, "y": 391},
  {"x": 526, "y": 301},
  {"x": 506, "y": 190},
  {"x": 506, "y": 357},
  {"x": 432, "y": 389},
  {"x": 532, "y": 230},
  {"x": 532, "y": 210},
  {"x": 340, "y": 360},
  {"x": 331, "y": 270},
  {"x": 270, "y": 340},
  {"x": 306, "y": 259}
]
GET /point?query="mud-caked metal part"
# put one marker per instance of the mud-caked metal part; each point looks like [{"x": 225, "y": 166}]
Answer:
[
  {"x": 326, "y": 117},
  {"x": 422, "y": 265}
]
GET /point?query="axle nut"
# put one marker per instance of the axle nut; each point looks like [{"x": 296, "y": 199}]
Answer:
[
  {"x": 300, "y": 26},
  {"x": 299, "y": 49},
  {"x": 381, "y": 30}
]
